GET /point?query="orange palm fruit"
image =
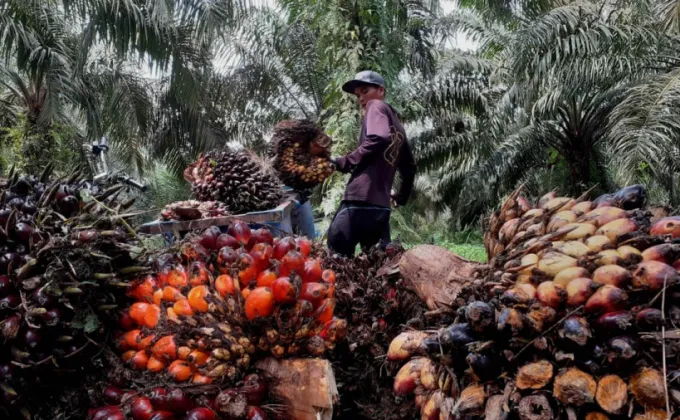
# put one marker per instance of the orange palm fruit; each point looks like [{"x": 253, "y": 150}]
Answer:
[
  {"x": 180, "y": 371},
  {"x": 183, "y": 353},
  {"x": 266, "y": 278},
  {"x": 172, "y": 315},
  {"x": 139, "y": 360},
  {"x": 197, "y": 300},
  {"x": 143, "y": 291},
  {"x": 199, "y": 274},
  {"x": 155, "y": 365},
  {"x": 165, "y": 348},
  {"x": 171, "y": 294},
  {"x": 158, "y": 297},
  {"x": 182, "y": 307},
  {"x": 259, "y": 303},
  {"x": 198, "y": 358},
  {"x": 178, "y": 277},
  {"x": 224, "y": 285},
  {"x": 152, "y": 316},
  {"x": 246, "y": 292},
  {"x": 128, "y": 355},
  {"x": 201, "y": 379},
  {"x": 138, "y": 311}
]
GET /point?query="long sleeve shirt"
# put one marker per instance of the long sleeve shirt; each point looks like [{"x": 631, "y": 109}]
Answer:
[{"x": 383, "y": 150}]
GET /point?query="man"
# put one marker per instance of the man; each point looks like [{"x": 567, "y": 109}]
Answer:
[{"x": 364, "y": 214}]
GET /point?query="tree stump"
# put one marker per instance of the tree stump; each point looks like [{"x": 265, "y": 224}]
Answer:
[
  {"x": 435, "y": 274},
  {"x": 305, "y": 386}
]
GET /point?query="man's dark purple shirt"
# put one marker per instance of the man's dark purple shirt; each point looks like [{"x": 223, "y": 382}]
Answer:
[{"x": 383, "y": 150}]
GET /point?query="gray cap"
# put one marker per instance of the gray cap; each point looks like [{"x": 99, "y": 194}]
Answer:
[{"x": 367, "y": 77}]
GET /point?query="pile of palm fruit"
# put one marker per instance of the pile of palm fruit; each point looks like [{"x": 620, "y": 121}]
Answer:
[
  {"x": 300, "y": 151},
  {"x": 66, "y": 255},
  {"x": 376, "y": 309},
  {"x": 568, "y": 323},
  {"x": 235, "y": 178},
  {"x": 211, "y": 306},
  {"x": 193, "y": 210}
]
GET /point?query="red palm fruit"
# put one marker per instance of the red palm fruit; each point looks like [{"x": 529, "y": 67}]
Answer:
[
  {"x": 143, "y": 291},
  {"x": 304, "y": 308},
  {"x": 240, "y": 231},
  {"x": 198, "y": 274},
  {"x": 165, "y": 348},
  {"x": 255, "y": 388},
  {"x": 152, "y": 316},
  {"x": 225, "y": 259},
  {"x": 163, "y": 275},
  {"x": 158, "y": 297},
  {"x": 199, "y": 379},
  {"x": 266, "y": 278},
  {"x": 155, "y": 365},
  {"x": 304, "y": 245},
  {"x": 126, "y": 322},
  {"x": 201, "y": 413},
  {"x": 183, "y": 352},
  {"x": 179, "y": 401},
  {"x": 284, "y": 291},
  {"x": 183, "y": 308},
  {"x": 260, "y": 236},
  {"x": 178, "y": 277},
  {"x": 159, "y": 398},
  {"x": 331, "y": 291},
  {"x": 163, "y": 415},
  {"x": 209, "y": 237},
  {"x": 113, "y": 395},
  {"x": 256, "y": 413},
  {"x": 312, "y": 272},
  {"x": 171, "y": 294},
  {"x": 197, "y": 358},
  {"x": 282, "y": 247},
  {"x": 194, "y": 252},
  {"x": 293, "y": 261},
  {"x": 262, "y": 253},
  {"x": 138, "y": 311},
  {"x": 259, "y": 303},
  {"x": 248, "y": 270},
  {"x": 141, "y": 408},
  {"x": 328, "y": 276},
  {"x": 325, "y": 311},
  {"x": 139, "y": 360},
  {"x": 314, "y": 293},
  {"x": 227, "y": 240},
  {"x": 224, "y": 285},
  {"x": 180, "y": 371},
  {"x": 197, "y": 300}
]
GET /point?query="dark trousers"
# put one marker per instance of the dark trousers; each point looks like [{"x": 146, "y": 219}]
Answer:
[{"x": 358, "y": 223}]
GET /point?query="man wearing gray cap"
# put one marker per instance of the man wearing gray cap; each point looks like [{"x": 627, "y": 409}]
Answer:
[{"x": 364, "y": 214}]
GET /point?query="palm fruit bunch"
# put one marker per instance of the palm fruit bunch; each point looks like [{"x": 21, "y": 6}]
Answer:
[
  {"x": 193, "y": 210},
  {"x": 377, "y": 308},
  {"x": 237, "y": 179},
  {"x": 568, "y": 323},
  {"x": 65, "y": 257},
  {"x": 295, "y": 145},
  {"x": 246, "y": 400},
  {"x": 220, "y": 300}
]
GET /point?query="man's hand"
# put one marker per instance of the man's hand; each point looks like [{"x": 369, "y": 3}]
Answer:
[{"x": 393, "y": 200}]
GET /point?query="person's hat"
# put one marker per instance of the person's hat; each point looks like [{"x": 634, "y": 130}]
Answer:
[{"x": 367, "y": 77}]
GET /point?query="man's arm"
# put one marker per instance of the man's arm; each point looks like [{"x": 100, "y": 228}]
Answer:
[
  {"x": 407, "y": 171},
  {"x": 377, "y": 138}
]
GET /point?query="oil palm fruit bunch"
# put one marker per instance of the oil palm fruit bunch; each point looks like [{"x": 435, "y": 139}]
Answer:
[
  {"x": 377, "y": 309},
  {"x": 568, "y": 323},
  {"x": 237, "y": 179},
  {"x": 220, "y": 300},
  {"x": 65, "y": 257},
  {"x": 247, "y": 400},
  {"x": 193, "y": 210},
  {"x": 294, "y": 143}
]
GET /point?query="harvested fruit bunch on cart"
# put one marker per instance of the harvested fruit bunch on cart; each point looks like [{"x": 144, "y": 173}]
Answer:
[
  {"x": 301, "y": 151},
  {"x": 235, "y": 178},
  {"x": 568, "y": 323},
  {"x": 218, "y": 302},
  {"x": 193, "y": 210},
  {"x": 65, "y": 257}
]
